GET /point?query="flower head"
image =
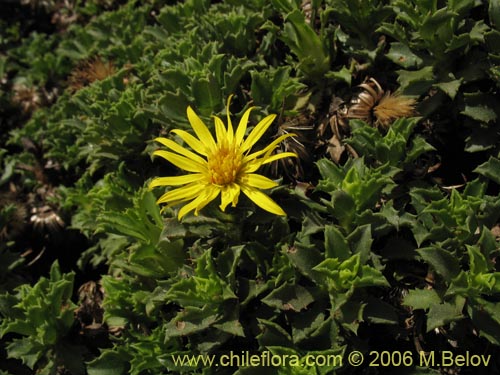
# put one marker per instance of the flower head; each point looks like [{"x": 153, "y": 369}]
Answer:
[
  {"x": 88, "y": 71},
  {"x": 224, "y": 165}
]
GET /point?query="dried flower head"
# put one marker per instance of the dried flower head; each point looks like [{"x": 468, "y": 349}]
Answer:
[
  {"x": 374, "y": 106},
  {"x": 301, "y": 144},
  {"x": 28, "y": 98},
  {"x": 46, "y": 218},
  {"x": 392, "y": 107},
  {"x": 88, "y": 71},
  {"x": 222, "y": 166}
]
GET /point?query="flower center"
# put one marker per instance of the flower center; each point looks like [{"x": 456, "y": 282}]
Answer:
[{"x": 224, "y": 165}]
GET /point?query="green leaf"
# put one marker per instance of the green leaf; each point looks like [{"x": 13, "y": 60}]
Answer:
[
  {"x": 445, "y": 263},
  {"x": 330, "y": 172},
  {"x": 477, "y": 261},
  {"x": 8, "y": 170},
  {"x": 342, "y": 75},
  {"x": 402, "y": 55},
  {"x": 171, "y": 255},
  {"x": 289, "y": 297},
  {"x": 481, "y": 139},
  {"x": 108, "y": 363},
  {"x": 494, "y": 13},
  {"x": 232, "y": 327},
  {"x": 486, "y": 318},
  {"x": 336, "y": 245},
  {"x": 422, "y": 298},
  {"x": 487, "y": 242},
  {"x": 415, "y": 82},
  {"x": 442, "y": 314},
  {"x": 361, "y": 241},
  {"x": 305, "y": 258},
  {"x": 29, "y": 351},
  {"x": 436, "y": 20},
  {"x": 272, "y": 334},
  {"x": 285, "y": 6},
  {"x": 480, "y": 113},
  {"x": 480, "y": 106},
  {"x": 207, "y": 94},
  {"x": 450, "y": 87},
  {"x": 191, "y": 320},
  {"x": 306, "y": 45},
  {"x": 313, "y": 324},
  {"x": 343, "y": 207},
  {"x": 227, "y": 263},
  {"x": 490, "y": 169}
]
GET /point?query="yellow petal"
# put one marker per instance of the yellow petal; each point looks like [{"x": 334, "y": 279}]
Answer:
[
  {"x": 269, "y": 147},
  {"x": 220, "y": 130},
  {"x": 258, "y": 181},
  {"x": 257, "y": 132},
  {"x": 181, "y": 161},
  {"x": 251, "y": 166},
  {"x": 191, "y": 141},
  {"x": 180, "y": 150},
  {"x": 205, "y": 197},
  {"x": 183, "y": 193},
  {"x": 262, "y": 200},
  {"x": 175, "y": 180},
  {"x": 200, "y": 129},
  {"x": 281, "y": 155},
  {"x": 242, "y": 127},
  {"x": 229, "y": 194},
  {"x": 230, "y": 131}
]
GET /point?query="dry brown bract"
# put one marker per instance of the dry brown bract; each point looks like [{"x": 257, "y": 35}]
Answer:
[
  {"x": 28, "y": 98},
  {"x": 45, "y": 217},
  {"x": 88, "y": 71},
  {"x": 379, "y": 108},
  {"x": 302, "y": 126}
]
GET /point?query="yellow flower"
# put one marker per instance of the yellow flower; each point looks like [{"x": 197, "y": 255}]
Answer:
[{"x": 223, "y": 166}]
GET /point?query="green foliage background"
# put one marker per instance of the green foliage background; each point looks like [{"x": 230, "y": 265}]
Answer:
[{"x": 379, "y": 252}]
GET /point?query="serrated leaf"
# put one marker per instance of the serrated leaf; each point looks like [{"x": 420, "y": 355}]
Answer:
[
  {"x": 421, "y": 298},
  {"x": 479, "y": 112},
  {"x": 305, "y": 258},
  {"x": 490, "y": 169},
  {"x": 289, "y": 297},
  {"x": 442, "y": 314},
  {"x": 272, "y": 334},
  {"x": 477, "y": 261},
  {"x": 330, "y": 171},
  {"x": 191, "y": 320},
  {"x": 436, "y": 20},
  {"x": 342, "y": 75},
  {"x": 450, "y": 87},
  {"x": 361, "y": 241},
  {"x": 336, "y": 245},
  {"x": 171, "y": 255},
  {"x": 486, "y": 318},
  {"x": 312, "y": 324},
  {"x": 343, "y": 207},
  {"x": 402, "y": 55},
  {"x": 481, "y": 139},
  {"x": 29, "y": 351},
  {"x": 108, "y": 363},
  {"x": 415, "y": 82},
  {"x": 233, "y": 327},
  {"x": 445, "y": 263}
]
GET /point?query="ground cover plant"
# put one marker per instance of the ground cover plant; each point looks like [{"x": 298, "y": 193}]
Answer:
[{"x": 330, "y": 188}]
